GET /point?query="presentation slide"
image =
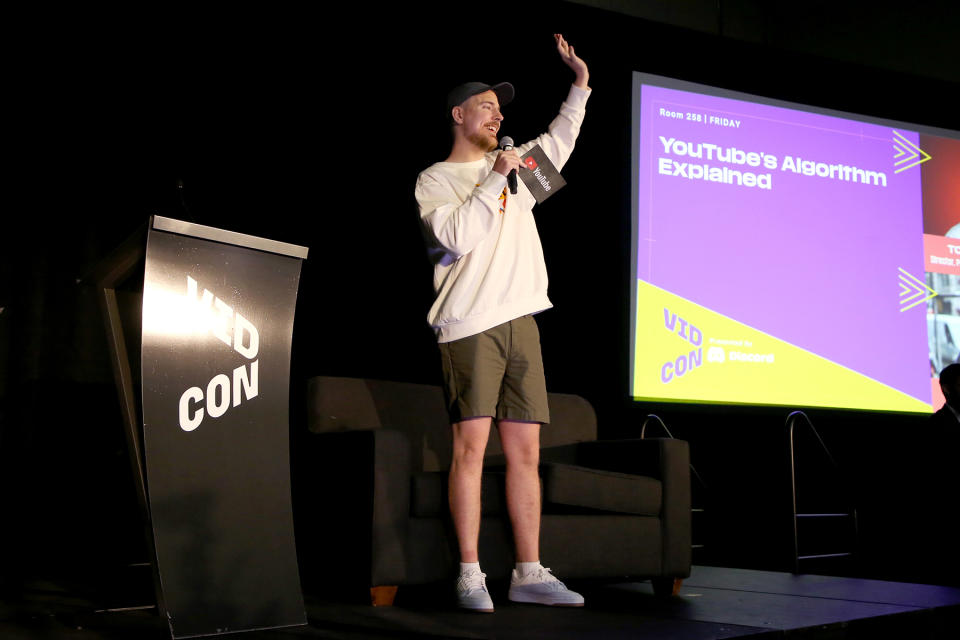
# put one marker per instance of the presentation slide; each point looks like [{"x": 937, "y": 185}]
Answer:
[{"x": 790, "y": 255}]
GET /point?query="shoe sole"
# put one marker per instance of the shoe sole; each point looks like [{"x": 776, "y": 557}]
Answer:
[
  {"x": 475, "y": 610},
  {"x": 572, "y": 605}
]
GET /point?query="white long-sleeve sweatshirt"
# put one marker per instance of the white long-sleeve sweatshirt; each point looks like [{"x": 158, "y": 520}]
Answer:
[{"x": 483, "y": 240}]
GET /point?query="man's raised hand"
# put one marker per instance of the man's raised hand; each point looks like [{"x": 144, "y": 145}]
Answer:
[{"x": 571, "y": 59}]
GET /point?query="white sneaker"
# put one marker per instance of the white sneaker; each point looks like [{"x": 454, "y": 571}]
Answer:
[
  {"x": 472, "y": 592},
  {"x": 540, "y": 587}
]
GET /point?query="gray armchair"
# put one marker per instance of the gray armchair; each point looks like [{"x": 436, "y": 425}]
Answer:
[{"x": 370, "y": 494}]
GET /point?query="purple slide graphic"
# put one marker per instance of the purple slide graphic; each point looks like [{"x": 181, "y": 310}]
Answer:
[{"x": 805, "y": 244}]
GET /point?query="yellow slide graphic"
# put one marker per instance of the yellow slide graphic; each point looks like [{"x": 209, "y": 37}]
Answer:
[{"x": 686, "y": 353}]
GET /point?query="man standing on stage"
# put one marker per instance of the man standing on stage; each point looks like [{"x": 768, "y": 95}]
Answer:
[{"x": 490, "y": 278}]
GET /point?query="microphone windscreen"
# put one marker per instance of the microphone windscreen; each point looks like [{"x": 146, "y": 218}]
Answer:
[{"x": 506, "y": 142}]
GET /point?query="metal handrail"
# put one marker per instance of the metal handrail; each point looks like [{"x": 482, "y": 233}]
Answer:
[
  {"x": 663, "y": 425},
  {"x": 643, "y": 428},
  {"x": 791, "y": 424}
]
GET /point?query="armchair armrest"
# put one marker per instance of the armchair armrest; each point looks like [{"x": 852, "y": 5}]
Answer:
[
  {"x": 352, "y": 503},
  {"x": 665, "y": 459},
  {"x": 657, "y": 457}
]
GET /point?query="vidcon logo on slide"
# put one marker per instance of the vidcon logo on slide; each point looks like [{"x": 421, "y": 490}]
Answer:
[{"x": 685, "y": 362}]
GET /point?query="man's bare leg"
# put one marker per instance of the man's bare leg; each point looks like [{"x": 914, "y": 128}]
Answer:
[
  {"x": 529, "y": 583},
  {"x": 521, "y": 447},
  {"x": 466, "y": 468}
]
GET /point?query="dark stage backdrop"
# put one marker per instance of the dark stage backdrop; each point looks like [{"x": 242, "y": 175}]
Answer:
[{"x": 312, "y": 131}]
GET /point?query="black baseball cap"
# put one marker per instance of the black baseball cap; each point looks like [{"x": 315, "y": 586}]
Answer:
[{"x": 459, "y": 95}]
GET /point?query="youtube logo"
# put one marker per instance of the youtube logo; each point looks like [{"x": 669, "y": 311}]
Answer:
[{"x": 542, "y": 180}]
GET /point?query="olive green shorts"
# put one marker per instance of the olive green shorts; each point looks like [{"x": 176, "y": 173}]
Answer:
[{"x": 497, "y": 373}]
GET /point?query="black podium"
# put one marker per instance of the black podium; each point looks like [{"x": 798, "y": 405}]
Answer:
[{"x": 208, "y": 434}]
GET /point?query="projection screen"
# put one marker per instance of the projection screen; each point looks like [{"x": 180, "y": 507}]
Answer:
[{"x": 790, "y": 255}]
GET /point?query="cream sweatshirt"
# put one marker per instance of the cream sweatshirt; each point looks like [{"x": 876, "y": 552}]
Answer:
[{"x": 483, "y": 240}]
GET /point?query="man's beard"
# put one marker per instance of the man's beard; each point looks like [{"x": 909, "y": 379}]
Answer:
[{"x": 482, "y": 142}]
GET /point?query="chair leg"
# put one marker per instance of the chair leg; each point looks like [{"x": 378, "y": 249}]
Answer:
[
  {"x": 666, "y": 587},
  {"x": 382, "y": 596}
]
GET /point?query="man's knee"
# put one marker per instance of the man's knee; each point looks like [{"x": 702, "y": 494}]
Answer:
[
  {"x": 521, "y": 444},
  {"x": 468, "y": 457},
  {"x": 524, "y": 457},
  {"x": 470, "y": 442}
]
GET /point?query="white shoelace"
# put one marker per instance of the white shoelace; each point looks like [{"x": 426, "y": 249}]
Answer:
[
  {"x": 543, "y": 576},
  {"x": 471, "y": 581}
]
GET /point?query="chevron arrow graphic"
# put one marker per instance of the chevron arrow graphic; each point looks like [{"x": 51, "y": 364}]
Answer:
[
  {"x": 910, "y": 283},
  {"x": 911, "y": 154}
]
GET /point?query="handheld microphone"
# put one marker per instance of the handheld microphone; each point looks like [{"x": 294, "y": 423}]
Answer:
[{"x": 506, "y": 144}]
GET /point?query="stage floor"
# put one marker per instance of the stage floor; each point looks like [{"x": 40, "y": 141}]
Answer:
[{"x": 713, "y": 603}]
